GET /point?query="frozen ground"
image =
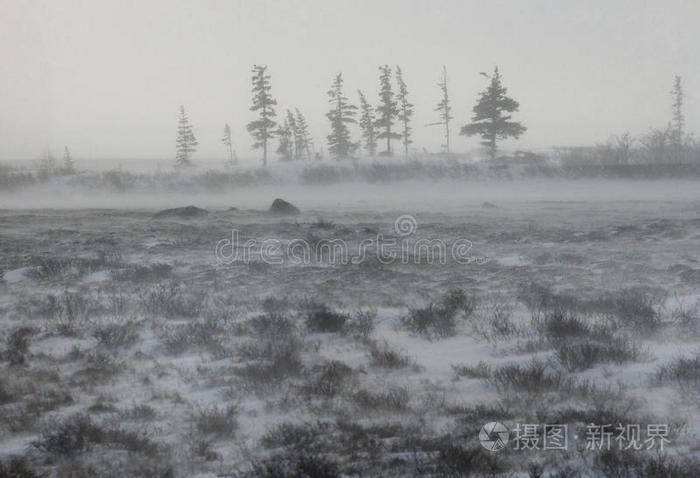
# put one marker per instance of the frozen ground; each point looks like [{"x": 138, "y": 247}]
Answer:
[{"x": 130, "y": 350}]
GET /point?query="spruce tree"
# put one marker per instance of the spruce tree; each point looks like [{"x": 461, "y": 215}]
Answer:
[
  {"x": 286, "y": 141},
  {"x": 678, "y": 117},
  {"x": 405, "y": 110},
  {"x": 294, "y": 135},
  {"x": 367, "y": 125},
  {"x": 186, "y": 143},
  {"x": 444, "y": 109},
  {"x": 341, "y": 114},
  {"x": 489, "y": 120},
  {"x": 228, "y": 142},
  {"x": 387, "y": 109},
  {"x": 303, "y": 139},
  {"x": 263, "y": 128}
]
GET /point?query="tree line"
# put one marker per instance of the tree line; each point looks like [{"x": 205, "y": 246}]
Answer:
[
  {"x": 390, "y": 119},
  {"x": 387, "y": 121}
]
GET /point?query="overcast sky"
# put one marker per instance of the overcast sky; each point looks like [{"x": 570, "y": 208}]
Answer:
[{"x": 106, "y": 78}]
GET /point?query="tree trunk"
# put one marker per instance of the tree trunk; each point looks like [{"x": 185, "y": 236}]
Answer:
[
  {"x": 388, "y": 139},
  {"x": 264, "y": 118},
  {"x": 447, "y": 133},
  {"x": 405, "y": 138},
  {"x": 265, "y": 150}
]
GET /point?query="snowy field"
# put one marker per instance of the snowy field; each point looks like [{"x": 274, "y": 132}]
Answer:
[{"x": 129, "y": 348}]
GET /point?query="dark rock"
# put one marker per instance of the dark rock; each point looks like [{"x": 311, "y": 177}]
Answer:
[
  {"x": 280, "y": 207},
  {"x": 186, "y": 212},
  {"x": 490, "y": 205}
]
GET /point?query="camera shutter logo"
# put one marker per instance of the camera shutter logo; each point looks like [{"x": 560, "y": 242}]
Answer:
[{"x": 494, "y": 436}]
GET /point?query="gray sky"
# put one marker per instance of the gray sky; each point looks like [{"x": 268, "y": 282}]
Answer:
[{"x": 106, "y": 78}]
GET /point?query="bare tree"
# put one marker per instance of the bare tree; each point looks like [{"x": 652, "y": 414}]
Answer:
[
  {"x": 656, "y": 144},
  {"x": 623, "y": 148},
  {"x": 445, "y": 110},
  {"x": 228, "y": 142}
]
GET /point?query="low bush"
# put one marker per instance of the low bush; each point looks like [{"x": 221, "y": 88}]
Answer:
[
  {"x": 500, "y": 322},
  {"x": 532, "y": 377},
  {"x": 687, "y": 319},
  {"x": 439, "y": 319},
  {"x": 181, "y": 337},
  {"x": 382, "y": 355},
  {"x": 320, "y": 318},
  {"x": 171, "y": 301},
  {"x": 459, "y": 461},
  {"x": 78, "y": 433},
  {"x": 430, "y": 321},
  {"x": 202, "y": 447},
  {"x": 275, "y": 358},
  {"x": 295, "y": 436},
  {"x": 221, "y": 422},
  {"x": 559, "y": 324},
  {"x": 393, "y": 399},
  {"x": 294, "y": 466},
  {"x": 582, "y": 355},
  {"x": 636, "y": 309},
  {"x": 268, "y": 325},
  {"x": 138, "y": 413},
  {"x": 18, "y": 467},
  {"x": 45, "y": 400},
  {"x": 682, "y": 371},
  {"x": 69, "y": 310},
  {"x": 361, "y": 324},
  {"x": 579, "y": 344},
  {"x": 541, "y": 298},
  {"x": 117, "y": 335},
  {"x": 665, "y": 466},
  {"x": 142, "y": 274},
  {"x": 18, "y": 345},
  {"x": 6, "y": 396},
  {"x": 98, "y": 368},
  {"x": 480, "y": 370},
  {"x": 480, "y": 413},
  {"x": 55, "y": 268},
  {"x": 329, "y": 379},
  {"x": 612, "y": 409}
]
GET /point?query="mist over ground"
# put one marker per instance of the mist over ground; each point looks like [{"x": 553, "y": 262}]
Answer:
[
  {"x": 421, "y": 184},
  {"x": 448, "y": 196}
]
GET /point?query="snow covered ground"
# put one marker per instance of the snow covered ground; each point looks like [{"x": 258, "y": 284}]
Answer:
[{"x": 129, "y": 349}]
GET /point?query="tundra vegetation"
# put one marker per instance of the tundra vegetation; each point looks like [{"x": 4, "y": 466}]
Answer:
[{"x": 127, "y": 353}]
